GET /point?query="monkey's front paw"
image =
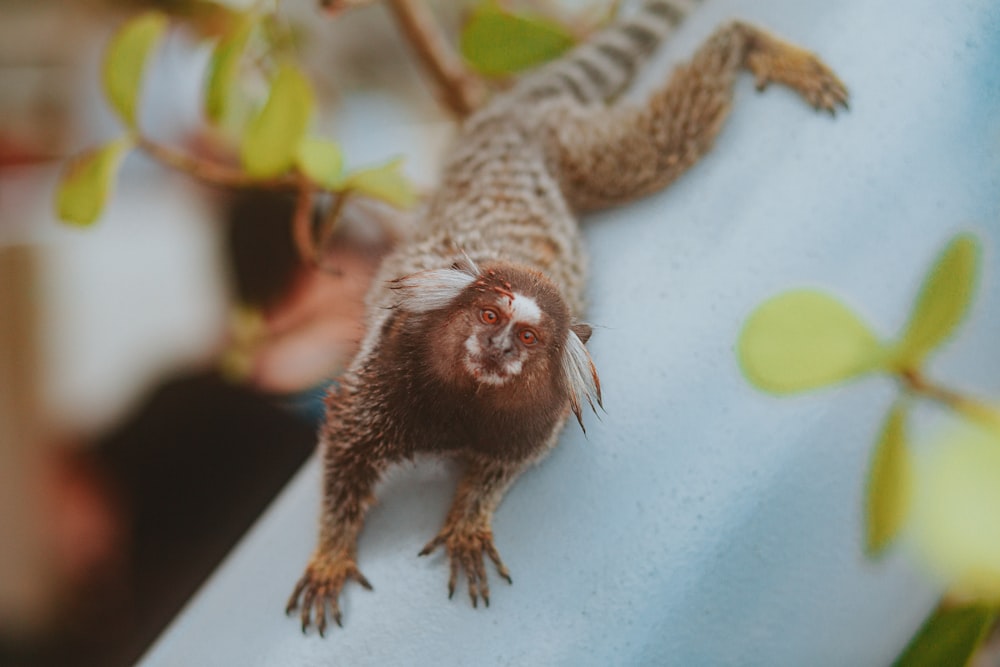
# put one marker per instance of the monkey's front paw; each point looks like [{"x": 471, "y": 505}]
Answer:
[
  {"x": 325, "y": 575},
  {"x": 465, "y": 547}
]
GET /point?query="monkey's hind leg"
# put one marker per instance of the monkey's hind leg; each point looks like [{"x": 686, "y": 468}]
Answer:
[
  {"x": 467, "y": 534},
  {"x": 610, "y": 156}
]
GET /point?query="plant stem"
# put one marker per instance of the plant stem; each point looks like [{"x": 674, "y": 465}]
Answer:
[
  {"x": 213, "y": 172},
  {"x": 302, "y": 227},
  {"x": 461, "y": 90},
  {"x": 916, "y": 383}
]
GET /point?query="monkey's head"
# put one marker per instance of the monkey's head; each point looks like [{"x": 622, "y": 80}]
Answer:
[{"x": 502, "y": 328}]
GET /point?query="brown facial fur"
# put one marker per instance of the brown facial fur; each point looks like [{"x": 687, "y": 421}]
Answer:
[{"x": 438, "y": 406}]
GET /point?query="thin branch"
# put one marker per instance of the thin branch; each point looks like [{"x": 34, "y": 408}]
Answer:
[
  {"x": 326, "y": 229},
  {"x": 976, "y": 410},
  {"x": 302, "y": 224},
  {"x": 212, "y": 172},
  {"x": 461, "y": 90}
]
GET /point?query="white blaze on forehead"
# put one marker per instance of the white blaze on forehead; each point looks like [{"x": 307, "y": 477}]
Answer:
[{"x": 525, "y": 309}]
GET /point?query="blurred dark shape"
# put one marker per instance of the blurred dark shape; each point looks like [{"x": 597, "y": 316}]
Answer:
[
  {"x": 182, "y": 479},
  {"x": 263, "y": 255}
]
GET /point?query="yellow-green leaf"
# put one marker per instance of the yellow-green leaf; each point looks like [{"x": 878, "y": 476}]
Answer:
[
  {"x": 125, "y": 62},
  {"x": 955, "y": 517},
  {"x": 322, "y": 161},
  {"x": 386, "y": 182},
  {"x": 943, "y": 301},
  {"x": 224, "y": 67},
  {"x": 271, "y": 141},
  {"x": 949, "y": 638},
  {"x": 497, "y": 42},
  {"x": 804, "y": 339},
  {"x": 889, "y": 483},
  {"x": 247, "y": 331},
  {"x": 88, "y": 181}
]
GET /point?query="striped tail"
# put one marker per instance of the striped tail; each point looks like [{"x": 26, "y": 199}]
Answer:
[{"x": 602, "y": 68}]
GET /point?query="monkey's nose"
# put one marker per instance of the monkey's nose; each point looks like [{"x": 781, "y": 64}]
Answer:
[{"x": 501, "y": 349}]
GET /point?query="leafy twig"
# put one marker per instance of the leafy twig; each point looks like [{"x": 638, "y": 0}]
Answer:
[{"x": 212, "y": 172}]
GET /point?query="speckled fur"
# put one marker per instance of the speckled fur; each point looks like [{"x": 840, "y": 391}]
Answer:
[{"x": 555, "y": 144}]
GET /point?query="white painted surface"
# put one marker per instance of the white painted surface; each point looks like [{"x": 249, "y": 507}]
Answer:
[{"x": 700, "y": 522}]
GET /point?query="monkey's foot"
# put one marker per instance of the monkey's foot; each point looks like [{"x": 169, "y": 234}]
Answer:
[
  {"x": 325, "y": 575},
  {"x": 773, "y": 60},
  {"x": 465, "y": 547}
]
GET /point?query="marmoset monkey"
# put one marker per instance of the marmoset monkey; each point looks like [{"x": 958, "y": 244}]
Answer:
[{"x": 474, "y": 348}]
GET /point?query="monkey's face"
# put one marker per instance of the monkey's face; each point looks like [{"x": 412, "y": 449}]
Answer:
[
  {"x": 507, "y": 337},
  {"x": 503, "y": 327}
]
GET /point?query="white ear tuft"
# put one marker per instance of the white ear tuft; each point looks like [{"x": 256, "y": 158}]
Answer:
[
  {"x": 425, "y": 291},
  {"x": 581, "y": 377}
]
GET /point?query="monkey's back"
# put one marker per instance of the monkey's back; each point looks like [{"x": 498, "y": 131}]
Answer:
[{"x": 497, "y": 200}]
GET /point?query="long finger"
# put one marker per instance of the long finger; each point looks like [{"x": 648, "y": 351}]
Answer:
[
  {"x": 293, "y": 601},
  {"x": 491, "y": 551}
]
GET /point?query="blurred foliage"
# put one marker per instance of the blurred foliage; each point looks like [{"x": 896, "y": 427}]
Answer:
[
  {"x": 88, "y": 182},
  {"x": 949, "y": 638},
  {"x": 271, "y": 139},
  {"x": 224, "y": 67},
  {"x": 499, "y": 42},
  {"x": 955, "y": 517},
  {"x": 804, "y": 339},
  {"x": 273, "y": 135},
  {"x": 890, "y": 480},
  {"x": 948, "y": 499},
  {"x": 322, "y": 161},
  {"x": 944, "y": 298},
  {"x": 275, "y": 147},
  {"x": 125, "y": 63},
  {"x": 385, "y": 182}
]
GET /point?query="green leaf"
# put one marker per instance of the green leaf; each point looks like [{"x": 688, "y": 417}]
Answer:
[
  {"x": 88, "y": 181},
  {"x": 385, "y": 182},
  {"x": 497, "y": 42},
  {"x": 271, "y": 141},
  {"x": 890, "y": 482},
  {"x": 804, "y": 339},
  {"x": 943, "y": 301},
  {"x": 224, "y": 67},
  {"x": 322, "y": 161},
  {"x": 954, "y": 522},
  {"x": 949, "y": 638},
  {"x": 125, "y": 62}
]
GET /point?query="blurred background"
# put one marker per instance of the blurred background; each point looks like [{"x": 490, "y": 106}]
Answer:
[{"x": 161, "y": 373}]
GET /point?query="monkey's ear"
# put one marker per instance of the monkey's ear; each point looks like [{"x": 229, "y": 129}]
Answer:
[
  {"x": 425, "y": 291},
  {"x": 583, "y": 331},
  {"x": 580, "y": 374}
]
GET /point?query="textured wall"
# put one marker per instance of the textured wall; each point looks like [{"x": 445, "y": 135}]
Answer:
[{"x": 699, "y": 522}]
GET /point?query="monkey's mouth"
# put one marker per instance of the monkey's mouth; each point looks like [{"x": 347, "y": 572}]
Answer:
[{"x": 490, "y": 371}]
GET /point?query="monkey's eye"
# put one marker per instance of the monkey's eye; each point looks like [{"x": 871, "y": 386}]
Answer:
[
  {"x": 528, "y": 337},
  {"x": 489, "y": 316}
]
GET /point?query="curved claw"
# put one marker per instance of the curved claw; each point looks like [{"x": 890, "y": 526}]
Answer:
[
  {"x": 319, "y": 587},
  {"x": 431, "y": 546},
  {"x": 466, "y": 548}
]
